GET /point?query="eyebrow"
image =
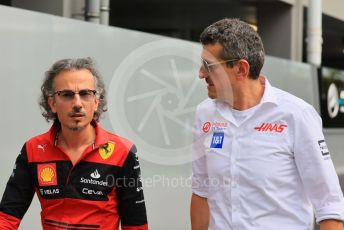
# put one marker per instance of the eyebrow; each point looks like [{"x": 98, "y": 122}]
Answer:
[{"x": 74, "y": 90}]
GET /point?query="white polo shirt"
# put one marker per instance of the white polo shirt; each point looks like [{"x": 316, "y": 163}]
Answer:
[{"x": 268, "y": 171}]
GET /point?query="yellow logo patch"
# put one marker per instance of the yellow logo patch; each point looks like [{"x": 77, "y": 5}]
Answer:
[
  {"x": 47, "y": 174},
  {"x": 106, "y": 150}
]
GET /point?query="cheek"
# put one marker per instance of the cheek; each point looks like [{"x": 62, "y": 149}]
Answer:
[
  {"x": 61, "y": 109},
  {"x": 221, "y": 81},
  {"x": 91, "y": 108}
]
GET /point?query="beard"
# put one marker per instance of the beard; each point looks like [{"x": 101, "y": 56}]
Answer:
[{"x": 77, "y": 126}]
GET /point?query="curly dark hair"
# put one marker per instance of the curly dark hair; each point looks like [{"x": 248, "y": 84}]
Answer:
[
  {"x": 47, "y": 87},
  {"x": 239, "y": 40}
]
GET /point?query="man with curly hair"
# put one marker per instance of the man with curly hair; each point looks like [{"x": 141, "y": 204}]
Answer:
[
  {"x": 84, "y": 176},
  {"x": 261, "y": 161}
]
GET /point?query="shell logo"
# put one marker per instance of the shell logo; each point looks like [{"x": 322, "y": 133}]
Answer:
[{"x": 46, "y": 174}]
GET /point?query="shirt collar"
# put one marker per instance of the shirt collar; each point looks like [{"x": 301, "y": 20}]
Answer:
[
  {"x": 102, "y": 136},
  {"x": 269, "y": 95}
]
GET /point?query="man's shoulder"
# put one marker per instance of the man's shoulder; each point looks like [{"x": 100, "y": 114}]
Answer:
[
  {"x": 37, "y": 145},
  {"x": 206, "y": 105},
  {"x": 115, "y": 136},
  {"x": 121, "y": 147},
  {"x": 117, "y": 139},
  {"x": 290, "y": 102},
  {"x": 205, "y": 109},
  {"x": 40, "y": 138}
]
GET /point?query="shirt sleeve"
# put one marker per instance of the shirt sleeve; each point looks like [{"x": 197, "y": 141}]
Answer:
[
  {"x": 18, "y": 194},
  {"x": 199, "y": 164},
  {"x": 316, "y": 168},
  {"x": 132, "y": 209}
]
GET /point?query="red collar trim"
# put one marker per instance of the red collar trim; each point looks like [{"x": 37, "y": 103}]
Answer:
[{"x": 102, "y": 136}]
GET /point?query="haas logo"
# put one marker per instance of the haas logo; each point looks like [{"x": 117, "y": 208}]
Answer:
[
  {"x": 269, "y": 127},
  {"x": 206, "y": 127}
]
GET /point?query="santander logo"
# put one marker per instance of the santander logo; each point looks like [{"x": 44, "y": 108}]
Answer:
[
  {"x": 269, "y": 127},
  {"x": 95, "y": 174}
]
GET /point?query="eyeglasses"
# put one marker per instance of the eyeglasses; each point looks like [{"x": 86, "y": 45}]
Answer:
[
  {"x": 209, "y": 66},
  {"x": 68, "y": 95}
]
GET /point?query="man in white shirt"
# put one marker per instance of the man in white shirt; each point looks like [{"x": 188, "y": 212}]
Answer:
[{"x": 260, "y": 158}]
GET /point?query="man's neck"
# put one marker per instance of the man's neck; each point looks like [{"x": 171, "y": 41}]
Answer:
[
  {"x": 71, "y": 139},
  {"x": 249, "y": 94}
]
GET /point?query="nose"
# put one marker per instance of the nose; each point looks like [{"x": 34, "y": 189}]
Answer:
[
  {"x": 202, "y": 72},
  {"x": 77, "y": 101}
]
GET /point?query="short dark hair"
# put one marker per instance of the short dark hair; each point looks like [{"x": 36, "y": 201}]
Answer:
[
  {"x": 239, "y": 40},
  {"x": 47, "y": 88}
]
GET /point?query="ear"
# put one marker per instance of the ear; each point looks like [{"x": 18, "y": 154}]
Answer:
[
  {"x": 96, "y": 104},
  {"x": 52, "y": 104},
  {"x": 243, "y": 69}
]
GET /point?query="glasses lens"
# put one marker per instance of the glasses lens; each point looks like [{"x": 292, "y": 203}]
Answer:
[
  {"x": 205, "y": 65},
  {"x": 86, "y": 94},
  {"x": 66, "y": 94}
]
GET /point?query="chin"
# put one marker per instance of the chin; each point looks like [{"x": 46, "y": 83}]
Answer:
[
  {"x": 77, "y": 126},
  {"x": 74, "y": 127},
  {"x": 212, "y": 96}
]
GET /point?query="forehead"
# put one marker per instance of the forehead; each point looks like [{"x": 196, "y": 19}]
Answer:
[
  {"x": 212, "y": 52},
  {"x": 74, "y": 79}
]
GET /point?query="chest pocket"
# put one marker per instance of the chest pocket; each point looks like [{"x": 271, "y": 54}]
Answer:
[{"x": 270, "y": 143}]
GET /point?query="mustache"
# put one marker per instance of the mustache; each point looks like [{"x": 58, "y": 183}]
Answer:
[
  {"x": 209, "y": 81},
  {"x": 76, "y": 111}
]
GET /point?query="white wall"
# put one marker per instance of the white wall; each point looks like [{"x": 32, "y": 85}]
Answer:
[
  {"x": 333, "y": 8},
  {"x": 132, "y": 64}
]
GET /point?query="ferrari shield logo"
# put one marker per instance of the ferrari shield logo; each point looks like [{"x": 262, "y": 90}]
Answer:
[{"x": 106, "y": 150}]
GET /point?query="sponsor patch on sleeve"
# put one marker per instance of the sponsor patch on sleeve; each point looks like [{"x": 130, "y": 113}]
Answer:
[{"x": 323, "y": 148}]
